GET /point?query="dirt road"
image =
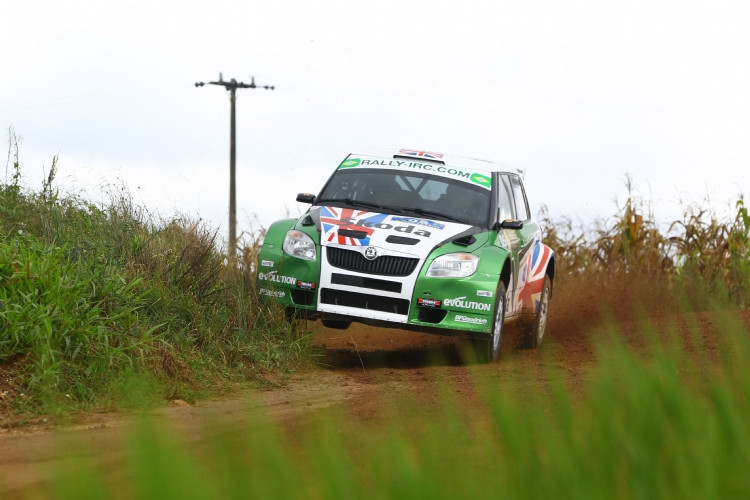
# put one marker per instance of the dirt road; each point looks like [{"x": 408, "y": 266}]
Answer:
[{"x": 361, "y": 371}]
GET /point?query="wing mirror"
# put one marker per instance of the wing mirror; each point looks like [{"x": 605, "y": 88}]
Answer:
[
  {"x": 306, "y": 198},
  {"x": 513, "y": 224}
]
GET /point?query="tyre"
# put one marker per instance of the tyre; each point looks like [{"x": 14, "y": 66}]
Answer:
[
  {"x": 486, "y": 351},
  {"x": 336, "y": 324},
  {"x": 534, "y": 333}
]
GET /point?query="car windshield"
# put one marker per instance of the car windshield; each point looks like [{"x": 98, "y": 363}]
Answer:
[{"x": 397, "y": 192}]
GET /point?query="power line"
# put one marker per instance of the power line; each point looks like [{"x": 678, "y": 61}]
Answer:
[{"x": 232, "y": 86}]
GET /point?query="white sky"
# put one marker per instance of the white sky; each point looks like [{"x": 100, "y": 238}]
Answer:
[{"x": 580, "y": 92}]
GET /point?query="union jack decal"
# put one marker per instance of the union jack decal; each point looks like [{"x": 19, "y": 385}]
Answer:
[
  {"x": 531, "y": 273},
  {"x": 334, "y": 219},
  {"x": 427, "y": 155},
  {"x": 539, "y": 261}
]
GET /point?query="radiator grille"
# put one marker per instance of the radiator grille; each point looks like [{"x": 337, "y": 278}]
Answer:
[{"x": 385, "y": 265}]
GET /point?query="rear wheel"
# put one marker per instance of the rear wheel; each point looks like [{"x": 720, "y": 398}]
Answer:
[
  {"x": 534, "y": 334},
  {"x": 486, "y": 351}
]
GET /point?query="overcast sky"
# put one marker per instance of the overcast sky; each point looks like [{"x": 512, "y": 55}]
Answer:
[{"x": 579, "y": 92}]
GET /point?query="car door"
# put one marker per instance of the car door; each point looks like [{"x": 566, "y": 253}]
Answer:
[
  {"x": 527, "y": 237},
  {"x": 528, "y": 234},
  {"x": 510, "y": 239}
]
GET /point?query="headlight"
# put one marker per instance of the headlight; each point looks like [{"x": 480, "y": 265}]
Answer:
[
  {"x": 453, "y": 265},
  {"x": 299, "y": 245}
]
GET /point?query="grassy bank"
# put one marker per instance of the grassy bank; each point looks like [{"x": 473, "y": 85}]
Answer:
[{"x": 96, "y": 299}]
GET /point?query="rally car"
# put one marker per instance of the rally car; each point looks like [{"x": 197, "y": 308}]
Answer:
[{"x": 415, "y": 240}]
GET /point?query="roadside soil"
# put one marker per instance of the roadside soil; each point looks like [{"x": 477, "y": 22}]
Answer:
[{"x": 362, "y": 371}]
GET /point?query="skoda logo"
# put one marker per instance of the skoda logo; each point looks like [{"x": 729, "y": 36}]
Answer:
[{"x": 371, "y": 253}]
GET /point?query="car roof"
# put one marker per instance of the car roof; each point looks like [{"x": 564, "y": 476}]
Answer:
[{"x": 484, "y": 166}]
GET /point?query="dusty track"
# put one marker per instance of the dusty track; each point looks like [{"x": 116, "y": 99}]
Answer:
[{"x": 363, "y": 372}]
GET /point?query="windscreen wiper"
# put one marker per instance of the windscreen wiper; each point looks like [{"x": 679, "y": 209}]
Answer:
[
  {"x": 349, "y": 202},
  {"x": 361, "y": 203},
  {"x": 370, "y": 204},
  {"x": 432, "y": 213}
]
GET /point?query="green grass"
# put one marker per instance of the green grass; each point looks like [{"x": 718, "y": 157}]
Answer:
[
  {"x": 92, "y": 295},
  {"x": 663, "y": 421}
]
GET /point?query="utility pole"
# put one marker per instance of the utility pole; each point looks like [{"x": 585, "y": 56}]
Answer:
[{"x": 232, "y": 87}]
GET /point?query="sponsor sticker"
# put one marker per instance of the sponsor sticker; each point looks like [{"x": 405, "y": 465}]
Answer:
[
  {"x": 419, "y": 222},
  {"x": 305, "y": 285},
  {"x": 462, "y": 318},
  {"x": 484, "y": 293},
  {"x": 482, "y": 180},
  {"x": 433, "y": 168},
  {"x": 266, "y": 263},
  {"x": 462, "y": 303},
  {"x": 272, "y": 293},
  {"x": 274, "y": 277},
  {"x": 428, "y": 302},
  {"x": 349, "y": 163},
  {"x": 440, "y": 169}
]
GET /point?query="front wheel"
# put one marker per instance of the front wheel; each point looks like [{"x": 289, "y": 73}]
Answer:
[
  {"x": 486, "y": 351},
  {"x": 336, "y": 324}
]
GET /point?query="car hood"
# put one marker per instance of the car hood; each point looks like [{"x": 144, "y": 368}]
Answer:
[{"x": 416, "y": 236}]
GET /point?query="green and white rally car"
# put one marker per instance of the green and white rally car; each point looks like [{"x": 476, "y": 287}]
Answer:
[{"x": 414, "y": 240}]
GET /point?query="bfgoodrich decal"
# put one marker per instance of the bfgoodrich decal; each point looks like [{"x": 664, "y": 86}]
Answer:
[{"x": 460, "y": 318}]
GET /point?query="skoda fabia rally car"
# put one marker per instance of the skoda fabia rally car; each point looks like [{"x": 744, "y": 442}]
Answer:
[{"x": 418, "y": 241}]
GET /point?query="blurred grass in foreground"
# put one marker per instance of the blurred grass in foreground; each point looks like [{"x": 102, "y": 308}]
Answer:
[{"x": 668, "y": 420}]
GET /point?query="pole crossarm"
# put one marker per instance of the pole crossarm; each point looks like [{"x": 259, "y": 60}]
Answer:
[{"x": 234, "y": 84}]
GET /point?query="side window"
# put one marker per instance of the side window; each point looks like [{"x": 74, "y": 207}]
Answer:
[
  {"x": 522, "y": 208},
  {"x": 505, "y": 208}
]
